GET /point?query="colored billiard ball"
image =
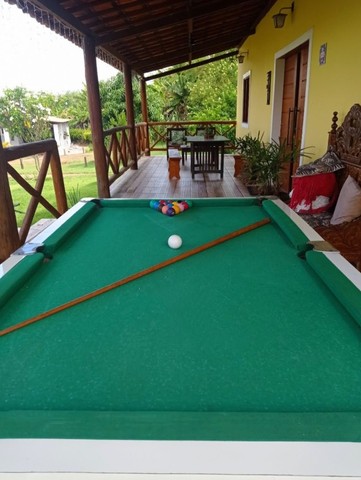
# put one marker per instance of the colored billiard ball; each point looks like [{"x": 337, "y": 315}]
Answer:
[
  {"x": 175, "y": 241},
  {"x": 176, "y": 208}
]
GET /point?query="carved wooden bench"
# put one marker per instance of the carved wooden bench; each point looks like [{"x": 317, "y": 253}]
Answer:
[{"x": 346, "y": 143}]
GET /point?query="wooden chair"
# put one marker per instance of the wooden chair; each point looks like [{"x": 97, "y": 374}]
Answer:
[
  {"x": 176, "y": 138},
  {"x": 200, "y": 131}
]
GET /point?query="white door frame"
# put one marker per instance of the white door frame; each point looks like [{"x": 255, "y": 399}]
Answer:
[{"x": 279, "y": 69}]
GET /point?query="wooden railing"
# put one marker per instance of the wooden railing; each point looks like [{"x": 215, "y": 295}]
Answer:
[
  {"x": 118, "y": 150},
  {"x": 10, "y": 236},
  {"x": 158, "y": 131},
  {"x": 142, "y": 139}
]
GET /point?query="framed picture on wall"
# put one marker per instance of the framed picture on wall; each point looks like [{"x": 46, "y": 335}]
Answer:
[{"x": 323, "y": 53}]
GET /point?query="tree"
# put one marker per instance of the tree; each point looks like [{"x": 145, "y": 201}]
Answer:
[
  {"x": 155, "y": 101},
  {"x": 204, "y": 93},
  {"x": 177, "y": 94},
  {"x": 23, "y": 115},
  {"x": 214, "y": 94},
  {"x": 112, "y": 97},
  {"x": 168, "y": 97},
  {"x": 73, "y": 105}
]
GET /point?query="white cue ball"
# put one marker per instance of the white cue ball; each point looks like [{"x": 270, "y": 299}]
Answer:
[{"x": 175, "y": 241}]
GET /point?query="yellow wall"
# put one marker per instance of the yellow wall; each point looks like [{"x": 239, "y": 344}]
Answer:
[{"x": 335, "y": 86}]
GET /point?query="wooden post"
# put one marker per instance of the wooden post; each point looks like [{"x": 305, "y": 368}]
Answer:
[
  {"x": 129, "y": 101},
  {"x": 58, "y": 180},
  {"x": 332, "y": 132},
  {"x": 9, "y": 237},
  {"x": 91, "y": 76},
  {"x": 144, "y": 103}
]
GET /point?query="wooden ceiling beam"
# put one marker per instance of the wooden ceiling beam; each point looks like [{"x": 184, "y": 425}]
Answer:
[
  {"x": 193, "y": 65},
  {"x": 168, "y": 21},
  {"x": 211, "y": 39},
  {"x": 176, "y": 55},
  {"x": 176, "y": 60}
]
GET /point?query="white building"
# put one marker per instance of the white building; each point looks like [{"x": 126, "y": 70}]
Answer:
[
  {"x": 61, "y": 133},
  {"x": 4, "y": 135},
  {"x": 6, "y": 138}
]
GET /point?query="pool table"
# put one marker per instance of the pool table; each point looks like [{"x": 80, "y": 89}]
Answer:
[{"x": 242, "y": 358}]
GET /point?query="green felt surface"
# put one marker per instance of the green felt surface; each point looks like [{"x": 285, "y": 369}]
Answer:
[
  {"x": 245, "y": 327},
  {"x": 225, "y": 426},
  {"x": 346, "y": 292},
  {"x": 294, "y": 235},
  {"x": 16, "y": 277}
]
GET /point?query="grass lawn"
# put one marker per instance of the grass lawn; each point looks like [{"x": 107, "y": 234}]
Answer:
[{"x": 79, "y": 179}]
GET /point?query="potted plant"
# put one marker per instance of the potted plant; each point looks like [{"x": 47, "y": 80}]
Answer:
[
  {"x": 263, "y": 162},
  {"x": 244, "y": 153},
  {"x": 209, "y": 132}
]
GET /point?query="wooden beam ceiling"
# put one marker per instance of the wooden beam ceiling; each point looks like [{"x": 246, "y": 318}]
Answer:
[{"x": 150, "y": 35}]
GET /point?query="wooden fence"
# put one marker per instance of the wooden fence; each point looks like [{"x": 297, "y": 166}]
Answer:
[
  {"x": 10, "y": 236},
  {"x": 118, "y": 149}
]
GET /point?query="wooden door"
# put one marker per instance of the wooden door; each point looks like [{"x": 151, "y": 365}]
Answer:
[{"x": 293, "y": 103}]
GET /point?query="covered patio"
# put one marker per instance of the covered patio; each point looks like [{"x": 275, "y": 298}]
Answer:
[{"x": 144, "y": 40}]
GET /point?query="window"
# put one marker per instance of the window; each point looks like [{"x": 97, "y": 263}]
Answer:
[{"x": 245, "y": 105}]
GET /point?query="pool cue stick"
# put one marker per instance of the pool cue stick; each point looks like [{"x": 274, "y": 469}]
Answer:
[{"x": 135, "y": 276}]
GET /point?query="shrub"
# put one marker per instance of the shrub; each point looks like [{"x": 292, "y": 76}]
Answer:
[{"x": 80, "y": 135}]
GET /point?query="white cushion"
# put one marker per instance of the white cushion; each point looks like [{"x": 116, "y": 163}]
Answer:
[{"x": 348, "y": 206}]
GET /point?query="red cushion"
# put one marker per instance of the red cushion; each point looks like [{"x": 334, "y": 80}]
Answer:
[{"x": 306, "y": 189}]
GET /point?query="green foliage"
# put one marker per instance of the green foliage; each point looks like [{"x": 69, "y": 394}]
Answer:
[
  {"x": 81, "y": 136},
  {"x": 203, "y": 93},
  {"x": 213, "y": 95},
  {"x": 177, "y": 90},
  {"x": 24, "y": 115},
  {"x": 112, "y": 97},
  {"x": 264, "y": 161},
  {"x": 74, "y": 105},
  {"x": 155, "y": 101},
  {"x": 252, "y": 150},
  {"x": 73, "y": 196},
  {"x": 247, "y": 145}
]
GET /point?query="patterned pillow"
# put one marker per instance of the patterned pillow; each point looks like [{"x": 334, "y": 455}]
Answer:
[
  {"x": 348, "y": 206},
  {"x": 306, "y": 170},
  {"x": 327, "y": 164}
]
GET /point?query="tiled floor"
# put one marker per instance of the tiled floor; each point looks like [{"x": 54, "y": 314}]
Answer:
[{"x": 151, "y": 181}]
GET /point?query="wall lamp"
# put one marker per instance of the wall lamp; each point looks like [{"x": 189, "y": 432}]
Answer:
[
  {"x": 279, "y": 18},
  {"x": 241, "y": 56}
]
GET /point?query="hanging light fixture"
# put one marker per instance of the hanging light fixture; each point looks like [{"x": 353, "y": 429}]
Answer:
[
  {"x": 241, "y": 56},
  {"x": 280, "y": 18}
]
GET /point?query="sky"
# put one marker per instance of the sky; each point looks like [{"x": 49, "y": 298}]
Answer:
[{"x": 34, "y": 57}]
